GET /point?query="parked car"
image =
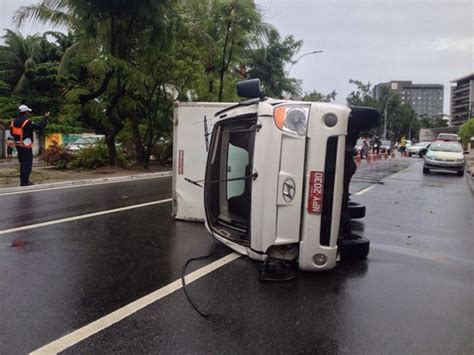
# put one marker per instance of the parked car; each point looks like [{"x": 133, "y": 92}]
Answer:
[
  {"x": 82, "y": 142},
  {"x": 444, "y": 156},
  {"x": 419, "y": 149},
  {"x": 448, "y": 137}
]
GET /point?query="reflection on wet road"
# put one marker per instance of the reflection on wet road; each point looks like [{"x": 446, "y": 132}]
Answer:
[{"x": 412, "y": 295}]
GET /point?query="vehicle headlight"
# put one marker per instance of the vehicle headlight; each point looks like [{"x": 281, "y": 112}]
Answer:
[
  {"x": 292, "y": 118},
  {"x": 459, "y": 160},
  {"x": 429, "y": 157}
]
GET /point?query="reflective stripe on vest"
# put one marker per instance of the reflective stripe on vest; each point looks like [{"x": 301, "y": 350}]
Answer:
[{"x": 18, "y": 131}]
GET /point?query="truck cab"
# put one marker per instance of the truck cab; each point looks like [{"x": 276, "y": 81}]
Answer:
[{"x": 277, "y": 177}]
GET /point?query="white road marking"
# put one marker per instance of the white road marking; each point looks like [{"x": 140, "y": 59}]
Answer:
[
  {"x": 102, "y": 323},
  {"x": 363, "y": 191},
  {"x": 45, "y": 189},
  {"x": 88, "y": 215}
]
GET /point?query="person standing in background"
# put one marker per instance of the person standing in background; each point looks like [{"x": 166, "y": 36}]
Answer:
[
  {"x": 403, "y": 145},
  {"x": 21, "y": 128}
]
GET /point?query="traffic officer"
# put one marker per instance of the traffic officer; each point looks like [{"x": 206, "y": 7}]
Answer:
[{"x": 21, "y": 128}]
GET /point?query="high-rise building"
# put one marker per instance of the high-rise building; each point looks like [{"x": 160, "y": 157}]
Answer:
[
  {"x": 462, "y": 100},
  {"x": 425, "y": 99}
]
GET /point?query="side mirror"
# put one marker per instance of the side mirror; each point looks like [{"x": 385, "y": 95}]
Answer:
[{"x": 249, "y": 89}]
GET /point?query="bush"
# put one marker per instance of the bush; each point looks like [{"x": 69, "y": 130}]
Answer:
[
  {"x": 163, "y": 151},
  {"x": 466, "y": 131},
  {"x": 95, "y": 156},
  {"x": 56, "y": 155},
  {"x": 92, "y": 157}
]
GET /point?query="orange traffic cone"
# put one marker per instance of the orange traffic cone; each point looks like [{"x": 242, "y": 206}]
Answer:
[{"x": 357, "y": 159}]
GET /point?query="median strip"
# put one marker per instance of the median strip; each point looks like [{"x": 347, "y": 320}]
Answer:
[{"x": 81, "y": 183}]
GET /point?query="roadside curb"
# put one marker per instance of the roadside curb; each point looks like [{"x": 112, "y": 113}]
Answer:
[
  {"x": 470, "y": 174},
  {"x": 85, "y": 182}
]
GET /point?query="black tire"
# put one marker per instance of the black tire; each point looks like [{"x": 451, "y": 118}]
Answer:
[
  {"x": 461, "y": 173},
  {"x": 426, "y": 171},
  {"x": 354, "y": 249},
  {"x": 409, "y": 154},
  {"x": 356, "y": 211}
]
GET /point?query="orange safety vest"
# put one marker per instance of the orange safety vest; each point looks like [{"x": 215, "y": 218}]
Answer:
[{"x": 18, "y": 132}]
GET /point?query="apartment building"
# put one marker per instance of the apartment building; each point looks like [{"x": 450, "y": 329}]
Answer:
[{"x": 462, "y": 100}]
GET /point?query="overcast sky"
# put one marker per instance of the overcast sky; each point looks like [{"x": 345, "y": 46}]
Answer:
[{"x": 426, "y": 41}]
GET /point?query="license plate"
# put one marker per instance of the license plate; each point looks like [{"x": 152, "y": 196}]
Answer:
[{"x": 315, "y": 195}]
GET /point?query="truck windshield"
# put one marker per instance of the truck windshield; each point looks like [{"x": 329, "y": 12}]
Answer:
[{"x": 227, "y": 192}]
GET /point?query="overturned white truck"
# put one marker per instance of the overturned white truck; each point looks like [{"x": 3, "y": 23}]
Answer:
[{"x": 275, "y": 177}]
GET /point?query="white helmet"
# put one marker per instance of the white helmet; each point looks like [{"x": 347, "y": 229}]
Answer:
[{"x": 24, "y": 108}]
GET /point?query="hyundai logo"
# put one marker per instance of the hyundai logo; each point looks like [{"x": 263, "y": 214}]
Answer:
[{"x": 289, "y": 189}]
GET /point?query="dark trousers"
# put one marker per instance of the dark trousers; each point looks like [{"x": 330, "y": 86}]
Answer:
[{"x": 25, "y": 156}]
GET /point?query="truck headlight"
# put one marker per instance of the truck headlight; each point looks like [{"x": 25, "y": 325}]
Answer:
[
  {"x": 429, "y": 157},
  {"x": 292, "y": 118}
]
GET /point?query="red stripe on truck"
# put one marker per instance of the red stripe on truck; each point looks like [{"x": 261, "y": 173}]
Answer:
[{"x": 181, "y": 162}]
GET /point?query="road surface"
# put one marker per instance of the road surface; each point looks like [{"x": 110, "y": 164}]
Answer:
[{"x": 94, "y": 269}]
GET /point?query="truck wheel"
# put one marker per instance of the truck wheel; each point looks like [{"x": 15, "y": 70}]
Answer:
[
  {"x": 354, "y": 249},
  {"x": 461, "y": 173},
  {"x": 426, "y": 171},
  {"x": 409, "y": 154},
  {"x": 356, "y": 210}
]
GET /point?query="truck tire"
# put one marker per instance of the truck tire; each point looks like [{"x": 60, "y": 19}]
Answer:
[
  {"x": 426, "y": 171},
  {"x": 356, "y": 210},
  {"x": 461, "y": 173},
  {"x": 356, "y": 248}
]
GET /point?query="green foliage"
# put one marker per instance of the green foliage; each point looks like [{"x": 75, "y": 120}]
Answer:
[
  {"x": 268, "y": 64},
  {"x": 163, "y": 151},
  {"x": 93, "y": 157},
  {"x": 432, "y": 122},
  {"x": 315, "y": 96},
  {"x": 124, "y": 64},
  {"x": 466, "y": 131},
  {"x": 57, "y": 156},
  {"x": 401, "y": 118},
  {"x": 362, "y": 96}
]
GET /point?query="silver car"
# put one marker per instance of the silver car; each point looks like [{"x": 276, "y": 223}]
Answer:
[
  {"x": 444, "y": 156},
  {"x": 419, "y": 149}
]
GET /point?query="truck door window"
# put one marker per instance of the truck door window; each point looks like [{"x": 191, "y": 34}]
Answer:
[{"x": 237, "y": 161}]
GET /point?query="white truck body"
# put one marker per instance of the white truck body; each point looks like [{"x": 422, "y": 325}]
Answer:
[
  {"x": 282, "y": 163},
  {"x": 190, "y": 156}
]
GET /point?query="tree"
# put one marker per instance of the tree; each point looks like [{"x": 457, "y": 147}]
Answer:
[
  {"x": 18, "y": 59},
  {"x": 29, "y": 73},
  {"x": 318, "y": 97},
  {"x": 268, "y": 64},
  {"x": 401, "y": 118},
  {"x": 161, "y": 76},
  {"x": 426, "y": 121},
  {"x": 114, "y": 31},
  {"x": 362, "y": 96},
  {"x": 225, "y": 31},
  {"x": 466, "y": 131}
]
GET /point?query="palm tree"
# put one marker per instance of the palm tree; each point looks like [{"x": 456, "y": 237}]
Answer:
[{"x": 18, "y": 58}]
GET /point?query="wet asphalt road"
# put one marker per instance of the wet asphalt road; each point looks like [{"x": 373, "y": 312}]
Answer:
[{"x": 414, "y": 294}]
